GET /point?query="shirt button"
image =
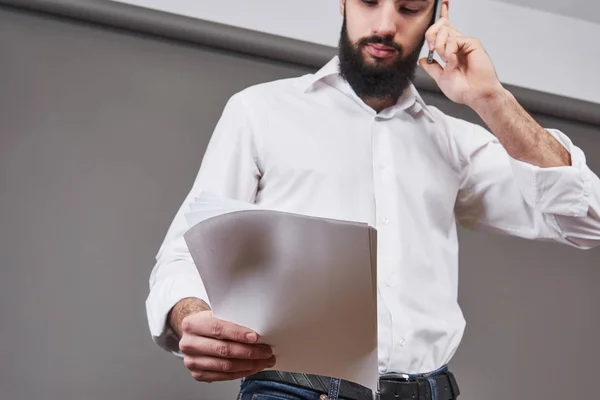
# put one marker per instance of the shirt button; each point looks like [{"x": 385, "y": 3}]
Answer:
[
  {"x": 418, "y": 108},
  {"x": 402, "y": 342},
  {"x": 323, "y": 397},
  {"x": 385, "y": 221}
]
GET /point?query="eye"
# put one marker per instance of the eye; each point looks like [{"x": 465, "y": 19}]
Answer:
[
  {"x": 407, "y": 10},
  {"x": 370, "y": 2}
]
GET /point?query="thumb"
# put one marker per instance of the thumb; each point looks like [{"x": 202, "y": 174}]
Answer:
[{"x": 434, "y": 69}]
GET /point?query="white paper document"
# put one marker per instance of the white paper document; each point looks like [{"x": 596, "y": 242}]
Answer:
[{"x": 306, "y": 285}]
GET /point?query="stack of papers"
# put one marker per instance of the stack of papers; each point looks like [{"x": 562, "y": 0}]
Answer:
[{"x": 306, "y": 285}]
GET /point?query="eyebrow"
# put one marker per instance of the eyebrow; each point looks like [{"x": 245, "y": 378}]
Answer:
[{"x": 415, "y": 1}]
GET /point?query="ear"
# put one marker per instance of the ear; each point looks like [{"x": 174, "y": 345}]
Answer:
[{"x": 342, "y": 7}]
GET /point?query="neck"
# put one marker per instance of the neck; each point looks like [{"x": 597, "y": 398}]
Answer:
[{"x": 378, "y": 104}]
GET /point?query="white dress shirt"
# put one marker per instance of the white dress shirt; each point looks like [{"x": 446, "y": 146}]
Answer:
[{"x": 310, "y": 146}]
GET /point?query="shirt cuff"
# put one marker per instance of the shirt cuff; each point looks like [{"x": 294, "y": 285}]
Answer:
[
  {"x": 163, "y": 296},
  {"x": 557, "y": 190}
]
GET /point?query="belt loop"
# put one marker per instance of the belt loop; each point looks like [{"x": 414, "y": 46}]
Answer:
[
  {"x": 433, "y": 388},
  {"x": 334, "y": 389},
  {"x": 453, "y": 384}
]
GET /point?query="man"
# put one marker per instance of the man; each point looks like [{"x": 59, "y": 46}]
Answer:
[{"x": 355, "y": 141}]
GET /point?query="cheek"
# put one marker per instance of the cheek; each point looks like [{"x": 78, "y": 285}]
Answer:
[
  {"x": 358, "y": 28},
  {"x": 355, "y": 34},
  {"x": 413, "y": 40}
]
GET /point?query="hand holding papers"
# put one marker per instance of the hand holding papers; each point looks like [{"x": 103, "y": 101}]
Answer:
[{"x": 306, "y": 285}]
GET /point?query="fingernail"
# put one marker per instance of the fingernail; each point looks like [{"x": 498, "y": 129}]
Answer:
[{"x": 251, "y": 337}]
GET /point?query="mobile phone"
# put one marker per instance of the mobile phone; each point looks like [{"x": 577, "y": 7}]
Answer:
[{"x": 436, "y": 18}]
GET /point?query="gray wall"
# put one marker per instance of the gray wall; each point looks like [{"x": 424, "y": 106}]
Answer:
[{"x": 101, "y": 134}]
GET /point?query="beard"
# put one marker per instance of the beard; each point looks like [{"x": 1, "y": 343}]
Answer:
[{"x": 382, "y": 80}]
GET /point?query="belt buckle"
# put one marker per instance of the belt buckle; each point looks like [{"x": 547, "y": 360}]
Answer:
[
  {"x": 405, "y": 377},
  {"x": 396, "y": 377}
]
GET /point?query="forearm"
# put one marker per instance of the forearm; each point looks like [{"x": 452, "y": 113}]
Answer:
[
  {"x": 182, "y": 309},
  {"x": 522, "y": 137}
]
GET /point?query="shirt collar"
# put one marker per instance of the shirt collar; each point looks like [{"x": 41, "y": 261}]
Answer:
[
  {"x": 331, "y": 68},
  {"x": 411, "y": 99}
]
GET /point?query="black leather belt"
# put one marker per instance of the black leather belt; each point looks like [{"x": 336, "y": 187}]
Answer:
[
  {"x": 391, "y": 386},
  {"x": 396, "y": 388}
]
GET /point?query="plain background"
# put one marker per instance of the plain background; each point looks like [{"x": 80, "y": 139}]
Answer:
[
  {"x": 101, "y": 135},
  {"x": 538, "y": 44}
]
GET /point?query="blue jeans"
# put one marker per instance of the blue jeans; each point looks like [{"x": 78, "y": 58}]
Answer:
[{"x": 269, "y": 390}]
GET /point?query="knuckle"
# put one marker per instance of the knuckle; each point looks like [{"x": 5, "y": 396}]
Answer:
[
  {"x": 192, "y": 346},
  {"x": 186, "y": 324},
  {"x": 251, "y": 353},
  {"x": 227, "y": 366},
  {"x": 198, "y": 376},
  {"x": 184, "y": 344},
  {"x": 217, "y": 329},
  {"x": 224, "y": 350},
  {"x": 188, "y": 362},
  {"x": 238, "y": 333}
]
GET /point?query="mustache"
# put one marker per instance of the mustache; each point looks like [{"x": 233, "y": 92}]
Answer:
[{"x": 386, "y": 41}]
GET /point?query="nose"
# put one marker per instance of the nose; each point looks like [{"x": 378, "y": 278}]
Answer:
[{"x": 385, "y": 20}]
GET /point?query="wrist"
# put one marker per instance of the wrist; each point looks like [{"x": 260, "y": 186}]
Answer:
[
  {"x": 491, "y": 101},
  {"x": 182, "y": 309}
]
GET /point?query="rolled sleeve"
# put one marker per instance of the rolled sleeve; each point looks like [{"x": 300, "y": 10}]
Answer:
[
  {"x": 503, "y": 195},
  {"x": 181, "y": 283},
  {"x": 557, "y": 190}
]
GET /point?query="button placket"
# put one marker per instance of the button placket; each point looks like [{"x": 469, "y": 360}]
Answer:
[{"x": 380, "y": 171}]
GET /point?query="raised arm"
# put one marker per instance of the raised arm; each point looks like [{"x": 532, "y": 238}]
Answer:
[{"x": 525, "y": 180}]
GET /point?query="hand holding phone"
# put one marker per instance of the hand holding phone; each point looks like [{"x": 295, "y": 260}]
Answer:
[{"x": 438, "y": 15}]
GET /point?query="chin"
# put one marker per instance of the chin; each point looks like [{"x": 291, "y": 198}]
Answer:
[{"x": 378, "y": 62}]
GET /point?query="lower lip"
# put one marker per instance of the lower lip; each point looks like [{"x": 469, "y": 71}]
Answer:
[{"x": 379, "y": 53}]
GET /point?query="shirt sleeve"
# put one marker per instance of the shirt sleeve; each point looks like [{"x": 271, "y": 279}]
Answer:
[
  {"x": 229, "y": 168},
  {"x": 503, "y": 195}
]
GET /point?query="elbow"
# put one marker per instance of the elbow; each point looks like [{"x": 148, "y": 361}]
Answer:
[
  {"x": 581, "y": 233},
  {"x": 583, "y": 243}
]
